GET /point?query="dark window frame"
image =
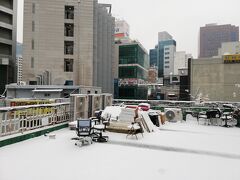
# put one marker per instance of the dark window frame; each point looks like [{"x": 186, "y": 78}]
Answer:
[{"x": 68, "y": 65}]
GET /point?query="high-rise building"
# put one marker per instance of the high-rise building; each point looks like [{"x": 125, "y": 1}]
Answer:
[
  {"x": 212, "y": 35},
  {"x": 8, "y": 26},
  {"x": 163, "y": 54},
  {"x": 68, "y": 42}
]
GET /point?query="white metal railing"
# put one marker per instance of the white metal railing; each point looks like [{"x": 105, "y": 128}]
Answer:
[{"x": 18, "y": 120}]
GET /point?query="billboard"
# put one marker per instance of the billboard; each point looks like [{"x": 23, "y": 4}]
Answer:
[
  {"x": 121, "y": 29},
  {"x": 231, "y": 58},
  {"x": 131, "y": 82}
]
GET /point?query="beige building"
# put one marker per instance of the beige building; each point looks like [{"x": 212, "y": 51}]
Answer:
[
  {"x": 215, "y": 79},
  {"x": 61, "y": 43},
  {"x": 152, "y": 74}
]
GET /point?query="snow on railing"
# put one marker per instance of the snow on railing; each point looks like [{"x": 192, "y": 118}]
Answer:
[{"x": 24, "y": 118}]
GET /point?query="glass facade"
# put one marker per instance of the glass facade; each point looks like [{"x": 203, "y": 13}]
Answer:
[
  {"x": 132, "y": 92},
  {"x": 132, "y": 72},
  {"x": 153, "y": 57},
  {"x": 133, "y": 64},
  {"x": 136, "y": 59},
  {"x": 133, "y": 54}
]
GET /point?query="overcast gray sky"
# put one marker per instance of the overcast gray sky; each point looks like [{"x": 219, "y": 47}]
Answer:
[{"x": 181, "y": 18}]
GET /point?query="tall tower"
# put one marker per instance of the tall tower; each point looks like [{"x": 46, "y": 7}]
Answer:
[{"x": 213, "y": 35}]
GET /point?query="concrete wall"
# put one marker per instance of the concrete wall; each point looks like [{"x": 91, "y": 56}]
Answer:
[
  {"x": 102, "y": 73},
  {"x": 86, "y": 40},
  {"x": 116, "y": 62},
  {"x": 231, "y": 82},
  {"x": 214, "y": 80},
  {"x": 179, "y": 61}
]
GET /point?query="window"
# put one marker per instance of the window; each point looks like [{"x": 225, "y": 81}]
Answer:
[
  {"x": 69, "y": 12},
  {"x": 5, "y": 17},
  {"x": 32, "y": 62},
  {"x": 68, "y": 47},
  {"x": 69, "y": 30},
  {"x": 166, "y": 57},
  {"x": 66, "y": 95},
  {"x": 167, "y": 53},
  {"x": 166, "y": 66},
  {"x": 32, "y": 82},
  {"x": 33, "y": 26},
  {"x": 68, "y": 65},
  {"x": 128, "y": 72},
  {"x": 167, "y": 48},
  {"x": 68, "y": 83},
  {"x": 47, "y": 95},
  {"x": 33, "y": 8},
  {"x": 166, "y": 62},
  {"x": 32, "y": 43},
  {"x": 5, "y": 33}
]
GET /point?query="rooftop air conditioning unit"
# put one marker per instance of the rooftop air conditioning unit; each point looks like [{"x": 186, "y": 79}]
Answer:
[
  {"x": 173, "y": 114},
  {"x": 22, "y": 83},
  {"x": 78, "y": 106},
  {"x": 95, "y": 104},
  {"x": 106, "y": 100}
]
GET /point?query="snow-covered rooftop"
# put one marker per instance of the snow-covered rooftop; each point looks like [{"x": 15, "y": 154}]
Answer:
[{"x": 177, "y": 151}]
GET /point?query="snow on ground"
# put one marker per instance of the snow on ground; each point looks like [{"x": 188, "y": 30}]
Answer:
[
  {"x": 177, "y": 151},
  {"x": 193, "y": 137}
]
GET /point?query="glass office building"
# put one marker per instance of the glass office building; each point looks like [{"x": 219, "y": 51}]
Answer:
[
  {"x": 133, "y": 71},
  {"x": 153, "y": 57}
]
